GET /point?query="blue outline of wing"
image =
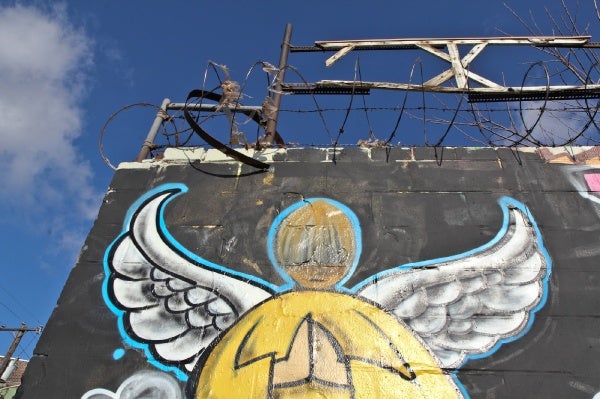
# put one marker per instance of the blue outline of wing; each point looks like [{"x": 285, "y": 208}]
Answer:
[
  {"x": 505, "y": 203},
  {"x": 174, "y": 189}
]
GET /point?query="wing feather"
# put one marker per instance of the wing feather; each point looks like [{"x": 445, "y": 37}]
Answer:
[
  {"x": 468, "y": 305},
  {"x": 172, "y": 303},
  {"x": 186, "y": 346},
  {"x": 128, "y": 262},
  {"x": 143, "y": 324},
  {"x": 134, "y": 295}
]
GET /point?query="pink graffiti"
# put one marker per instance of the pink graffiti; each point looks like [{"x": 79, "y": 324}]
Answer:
[{"x": 593, "y": 181}]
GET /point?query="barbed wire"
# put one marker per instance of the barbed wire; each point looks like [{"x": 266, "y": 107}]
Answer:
[{"x": 443, "y": 118}]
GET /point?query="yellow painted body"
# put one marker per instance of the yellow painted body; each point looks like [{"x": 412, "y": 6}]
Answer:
[{"x": 381, "y": 357}]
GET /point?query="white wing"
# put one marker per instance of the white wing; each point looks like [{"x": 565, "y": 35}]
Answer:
[
  {"x": 469, "y": 304},
  {"x": 175, "y": 304}
]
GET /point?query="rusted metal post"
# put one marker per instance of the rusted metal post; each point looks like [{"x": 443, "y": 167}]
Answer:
[
  {"x": 161, "y": 116},
  {"x": 271, "y": 127}
]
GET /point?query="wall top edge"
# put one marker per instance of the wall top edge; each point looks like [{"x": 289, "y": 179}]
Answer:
[{"x": 589, "y": 155}]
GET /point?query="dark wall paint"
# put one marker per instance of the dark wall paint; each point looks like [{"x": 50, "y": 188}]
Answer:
[{"x": 410, "y": 209}]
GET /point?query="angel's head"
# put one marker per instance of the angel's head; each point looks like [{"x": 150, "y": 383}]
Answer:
[{"x": 316, "y": 242}]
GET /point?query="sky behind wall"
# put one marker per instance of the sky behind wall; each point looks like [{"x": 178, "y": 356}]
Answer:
[{"x": 66, "y": 67}]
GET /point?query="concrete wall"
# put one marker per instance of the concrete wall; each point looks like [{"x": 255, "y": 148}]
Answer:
[{"x": 486, "y": 279}]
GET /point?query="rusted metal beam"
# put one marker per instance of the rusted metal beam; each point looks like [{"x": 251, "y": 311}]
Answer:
[
  {"x": 566, "y": 94},
  {"x": 510, "y": 93},
  {"x": 449, "y": 89},
  {"x": 315, "y": 88}
]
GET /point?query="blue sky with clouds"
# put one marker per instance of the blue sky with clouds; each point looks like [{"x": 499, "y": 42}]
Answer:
[{"x": 65, "y": 67}]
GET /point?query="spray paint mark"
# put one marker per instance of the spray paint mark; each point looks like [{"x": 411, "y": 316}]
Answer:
[{"x": 118, "y": 353}]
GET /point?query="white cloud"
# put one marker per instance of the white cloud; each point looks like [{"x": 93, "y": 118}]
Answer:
[
  {"x": 558, "y": 122},
  {"x": 43, "y": 61},
  {"x": 43, "y": 66}
]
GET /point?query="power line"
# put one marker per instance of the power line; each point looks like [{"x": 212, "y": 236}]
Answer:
[
  {"x": 18, "y": 302},
  {"x": 11, "y": 311}
]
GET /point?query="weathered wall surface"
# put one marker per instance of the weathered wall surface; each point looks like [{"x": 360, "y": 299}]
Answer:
[{"x": 511, "y": 310}]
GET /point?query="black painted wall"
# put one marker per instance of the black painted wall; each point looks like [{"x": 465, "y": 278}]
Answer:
[{"x": 410, "y": 207}]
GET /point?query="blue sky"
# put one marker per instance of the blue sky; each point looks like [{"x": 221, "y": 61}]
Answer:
[{"x": 65, "y": 67}]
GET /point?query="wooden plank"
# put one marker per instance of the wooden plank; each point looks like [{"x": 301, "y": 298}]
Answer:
[
  {"x": 457, "y": 67},
  {"x": 474, "y": 52},
  {"x": 412, "y": 43},
  {"x": 466, "y": 60},
  {"x": 437, "y": 52},
  {"x": 427, "y": 47},
  {"x": 331, "y": 60},
  {"x": 482, "y": 80},
  {"x": 447, "y": 74},
  {"x": 440, "y": 78}
]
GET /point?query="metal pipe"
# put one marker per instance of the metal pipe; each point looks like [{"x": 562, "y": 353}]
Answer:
[
  {"x": 12, "y": 365},
  {"x": 161, "y": 116},
  {"x": 212, "y": 107},
  {"x": 271, "y": 127}
]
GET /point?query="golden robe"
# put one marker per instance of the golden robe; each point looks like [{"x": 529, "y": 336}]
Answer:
[{"x": 317, "y": 344}]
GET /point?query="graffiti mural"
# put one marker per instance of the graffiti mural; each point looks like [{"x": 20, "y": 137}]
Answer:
[
  {"x": 141, "y": 385},
  {"x": 586, "y": 181},
  {"x": 583, "y": 171},
  {"x": 404, "y": 330}
]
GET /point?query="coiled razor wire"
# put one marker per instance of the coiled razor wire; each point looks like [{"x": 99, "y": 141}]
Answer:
[{"x": 505, "y": 126}]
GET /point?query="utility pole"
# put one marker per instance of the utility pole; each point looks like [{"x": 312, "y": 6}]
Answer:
[{"x": 20, "y": 332}]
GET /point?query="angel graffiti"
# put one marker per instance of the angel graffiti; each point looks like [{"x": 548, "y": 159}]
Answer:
[{"x": 393, "y": 335}]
